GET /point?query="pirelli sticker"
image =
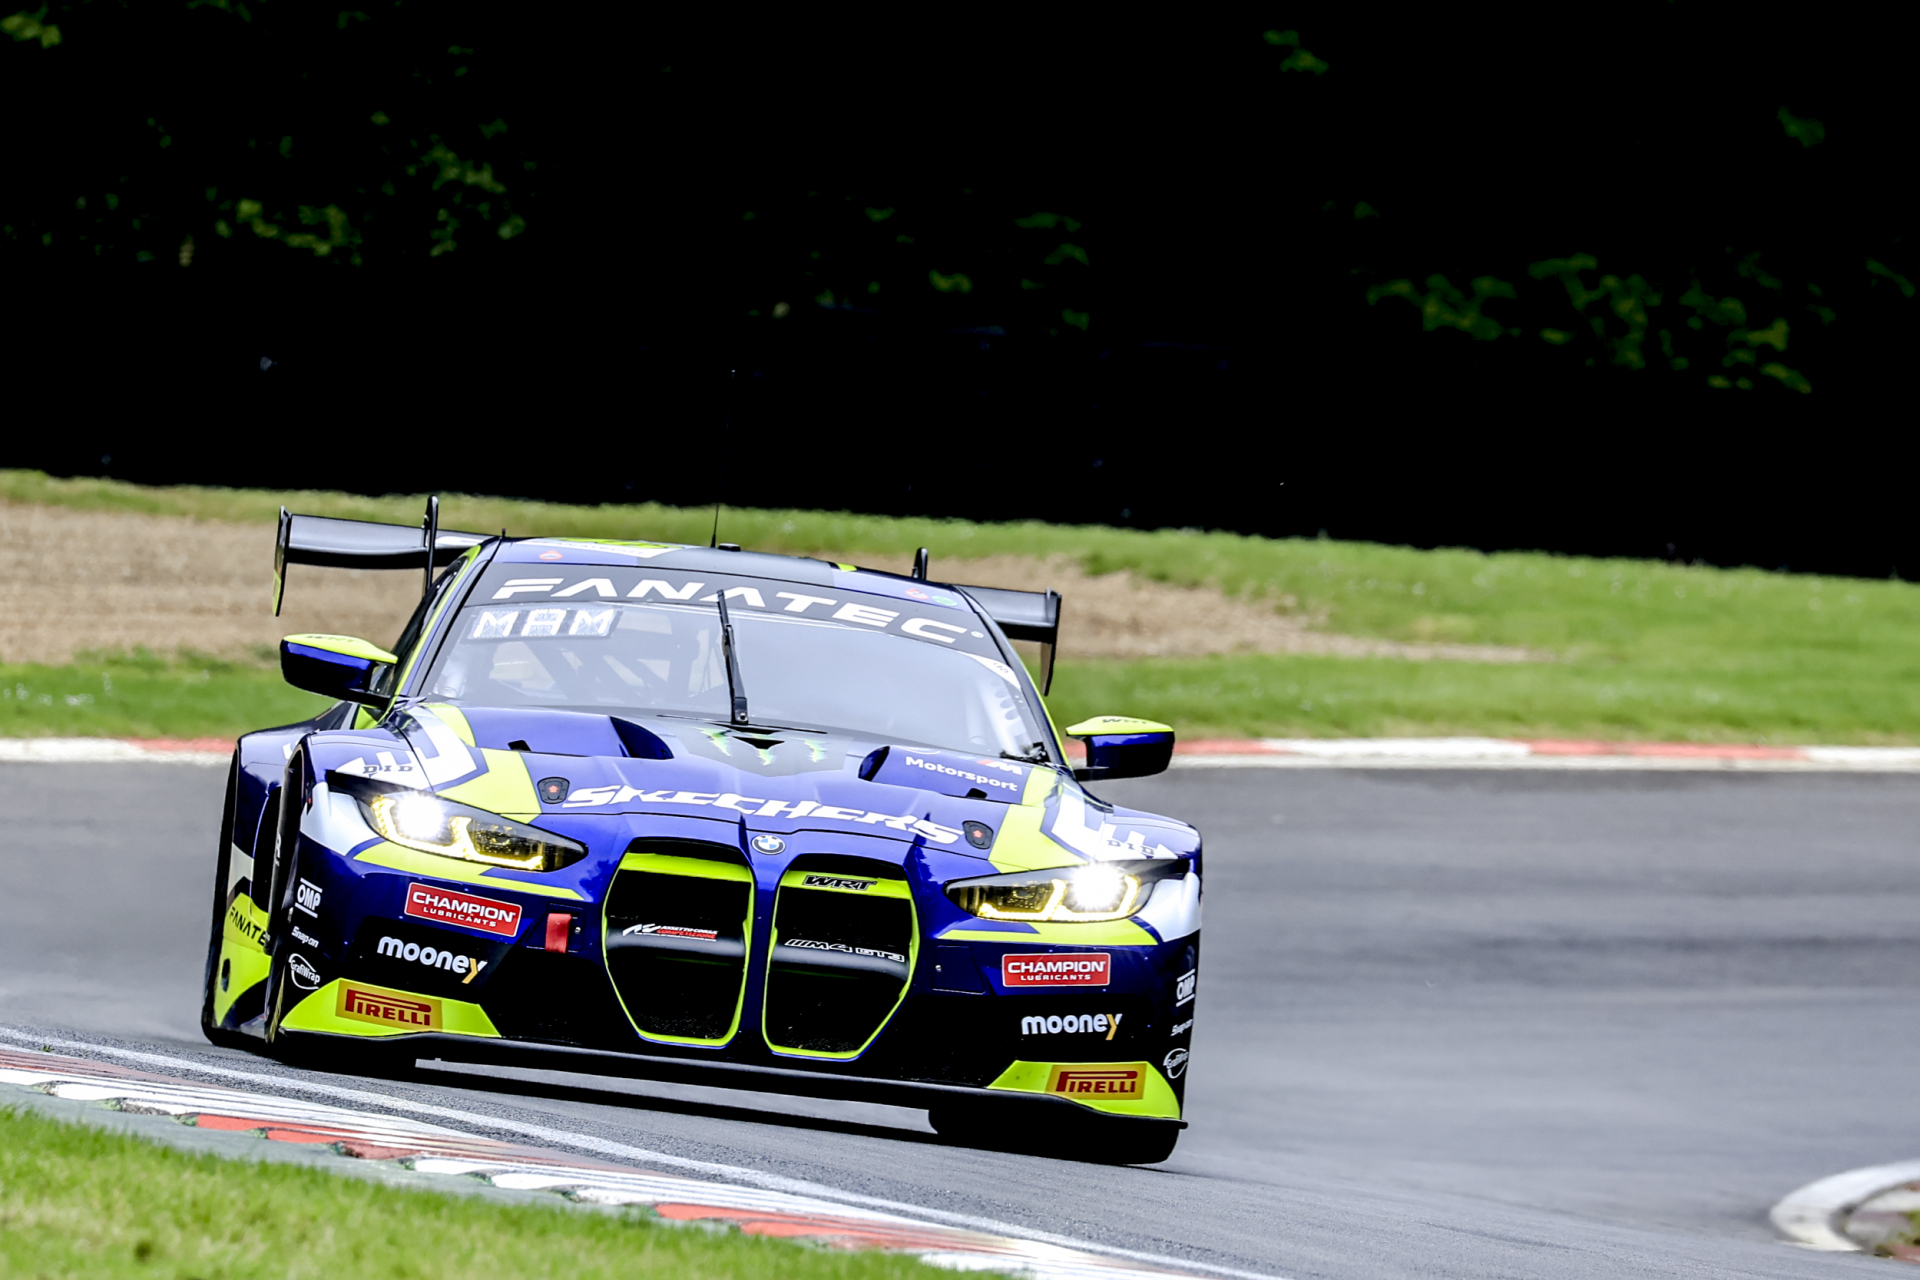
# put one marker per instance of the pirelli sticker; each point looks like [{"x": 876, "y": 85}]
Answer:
[
  {"x": 400, "y": 1010},
  {"x": 1100, "y": 1081}
]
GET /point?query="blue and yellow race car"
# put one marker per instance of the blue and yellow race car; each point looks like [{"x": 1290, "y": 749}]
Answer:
[{"x": 707, "y": 815}]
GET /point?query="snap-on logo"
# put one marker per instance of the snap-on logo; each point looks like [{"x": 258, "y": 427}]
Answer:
[
  {"x": 448, "y": 906},
  {"x": 1082, "y": 969}
]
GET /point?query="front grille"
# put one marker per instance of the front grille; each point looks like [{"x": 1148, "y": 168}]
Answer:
[
  {"x": 844, "y": 945},
  {"x": 679, "y": 917}
]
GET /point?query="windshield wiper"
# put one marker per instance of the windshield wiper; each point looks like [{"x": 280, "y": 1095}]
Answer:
[
  {"x": 1036, "y": 754},
  {"x": 736, "y": 687}
]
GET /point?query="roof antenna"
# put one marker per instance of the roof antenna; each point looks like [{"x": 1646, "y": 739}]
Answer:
[
  {"x": 725, "y": 432},
  {"x": 920, "y": 565},
  {"x": 430, "y": 530}
]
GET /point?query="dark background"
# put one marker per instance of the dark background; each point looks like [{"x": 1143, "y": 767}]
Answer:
[{"x": 1231, "y": 372}]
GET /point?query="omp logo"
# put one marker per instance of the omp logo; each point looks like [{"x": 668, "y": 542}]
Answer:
[
  {"x": 1085, "y": 969},
  {"x": 432, "y": 957},
  {"x": 387, "y": 1008},
  {"x": 306, "y": 897},
  {"x": 1114, "y": 1082},
  {"x": 1185, "y": 987},
  {"x": 1102, "y": 1024},
  {"x": 449, "y": 907},
  {"x": 936, "y": 767},
  {"x": 671, "y": 931},
  {"x": 837, "y": 882}
]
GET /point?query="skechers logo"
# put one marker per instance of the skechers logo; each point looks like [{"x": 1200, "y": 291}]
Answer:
[
  {"x": 811, "y": 945},
  {"x": 375, "y": 1004},
  {"x": 432, "y": 957},
  {"x": 837, "y": 882},
  {"x": 755, "y": 807},
  {"x": 671, "y": 931},
  {"x": 980, "y": 778},
  {"x": 1107, "y": 1025},
  {"x": 1118, "y": 1081}
]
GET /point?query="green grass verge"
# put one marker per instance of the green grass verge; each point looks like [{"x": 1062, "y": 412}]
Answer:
[
  {"x": 144, "y": 696},
  {"x": 78, "y": 1201},
  {"x": 1643, "y": 649}
]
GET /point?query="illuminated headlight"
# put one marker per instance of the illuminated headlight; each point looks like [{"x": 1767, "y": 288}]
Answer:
[
  {"x": 1087, "y": 894},
  {"x": 429, "y": 824}
]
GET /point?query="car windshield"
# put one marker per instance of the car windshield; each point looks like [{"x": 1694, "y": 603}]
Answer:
[{"x": 856, "y": 677}]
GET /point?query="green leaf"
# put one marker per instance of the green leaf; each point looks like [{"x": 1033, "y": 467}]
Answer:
[{"x": 1810, "y": 132}]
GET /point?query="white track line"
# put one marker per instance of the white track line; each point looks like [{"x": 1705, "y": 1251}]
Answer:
[
  {"x": 601, "y": 1146},
  {"x": 1811, "y": 1216}
]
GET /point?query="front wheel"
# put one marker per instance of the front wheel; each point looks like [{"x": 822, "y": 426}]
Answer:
[
  {"x": 222, "y": 872},
  {"x": 1028, "y": 1129}
]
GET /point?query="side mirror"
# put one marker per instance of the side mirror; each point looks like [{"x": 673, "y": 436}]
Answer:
[
  {"x": 338, "y": 667},
  {"x": 1122, "y": 747}
]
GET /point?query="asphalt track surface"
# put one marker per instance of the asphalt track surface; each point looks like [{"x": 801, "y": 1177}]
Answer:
[{"x": 1451, "y": 1023}]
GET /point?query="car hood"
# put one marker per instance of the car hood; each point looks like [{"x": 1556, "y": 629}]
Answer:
[{"x": 543, "y": 766}]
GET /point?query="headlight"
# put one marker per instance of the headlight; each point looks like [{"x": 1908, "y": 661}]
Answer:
[
  {"x": 1088, "y": 893},
  {"x": 418, "y": 820}
]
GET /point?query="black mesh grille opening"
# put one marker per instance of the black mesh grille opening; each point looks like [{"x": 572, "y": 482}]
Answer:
[
  {"x": 837, "y": 969},
  {"x": 677, "y": 940}
]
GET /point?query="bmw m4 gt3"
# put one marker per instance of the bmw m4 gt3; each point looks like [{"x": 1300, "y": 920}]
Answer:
[{"x": 708, "y": 815}]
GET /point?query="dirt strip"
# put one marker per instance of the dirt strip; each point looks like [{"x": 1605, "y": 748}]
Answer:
[{"x": 74, "y": 581}]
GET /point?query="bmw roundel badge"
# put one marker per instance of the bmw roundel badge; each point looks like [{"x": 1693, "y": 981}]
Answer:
[{"x": 769, "y": 845}]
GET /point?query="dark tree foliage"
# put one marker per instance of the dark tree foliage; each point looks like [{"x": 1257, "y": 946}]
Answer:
[{"x": 1632, "y": 280}]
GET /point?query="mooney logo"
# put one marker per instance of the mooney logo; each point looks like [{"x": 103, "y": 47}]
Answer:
[
  {"x": 1084, "y": 969},
  {"x": 1106, "y": 1025},
  {"x": 432, "y": 957},
  {"x": 836, "y": 882},
  {"x": 388, "y": 1008},
  {"x": 450, "y": 907},
  {"x": 671, "y": 931},
  {"x": 1113, "y": 1082}
]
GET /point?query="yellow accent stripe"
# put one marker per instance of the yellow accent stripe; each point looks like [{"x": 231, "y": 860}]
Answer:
[
  {"x": 245, "y": 966},
  {"x": 1112, "y": 933},
  {"x": 412, "y": 861},
  {"x": 505, "y": 788},
  {"x": 455, "y": 719},
  {"x": 318, "y": 1013},
  {"x": 1157, "y": 1098},
  {"x": 668, "y": 864}
]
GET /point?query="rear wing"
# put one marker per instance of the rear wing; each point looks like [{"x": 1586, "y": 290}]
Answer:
[
  {"x": 366, "y": 544},
  {"x": 1024, "y": 615}
]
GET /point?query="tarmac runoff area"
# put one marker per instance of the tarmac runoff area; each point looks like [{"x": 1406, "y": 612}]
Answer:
[{"x": 1456, "y": 1021}]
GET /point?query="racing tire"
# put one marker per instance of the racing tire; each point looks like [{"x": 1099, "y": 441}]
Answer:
[
  {"x": 222, "y": 868},
  {"x": 1029, "y": 1130}
]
